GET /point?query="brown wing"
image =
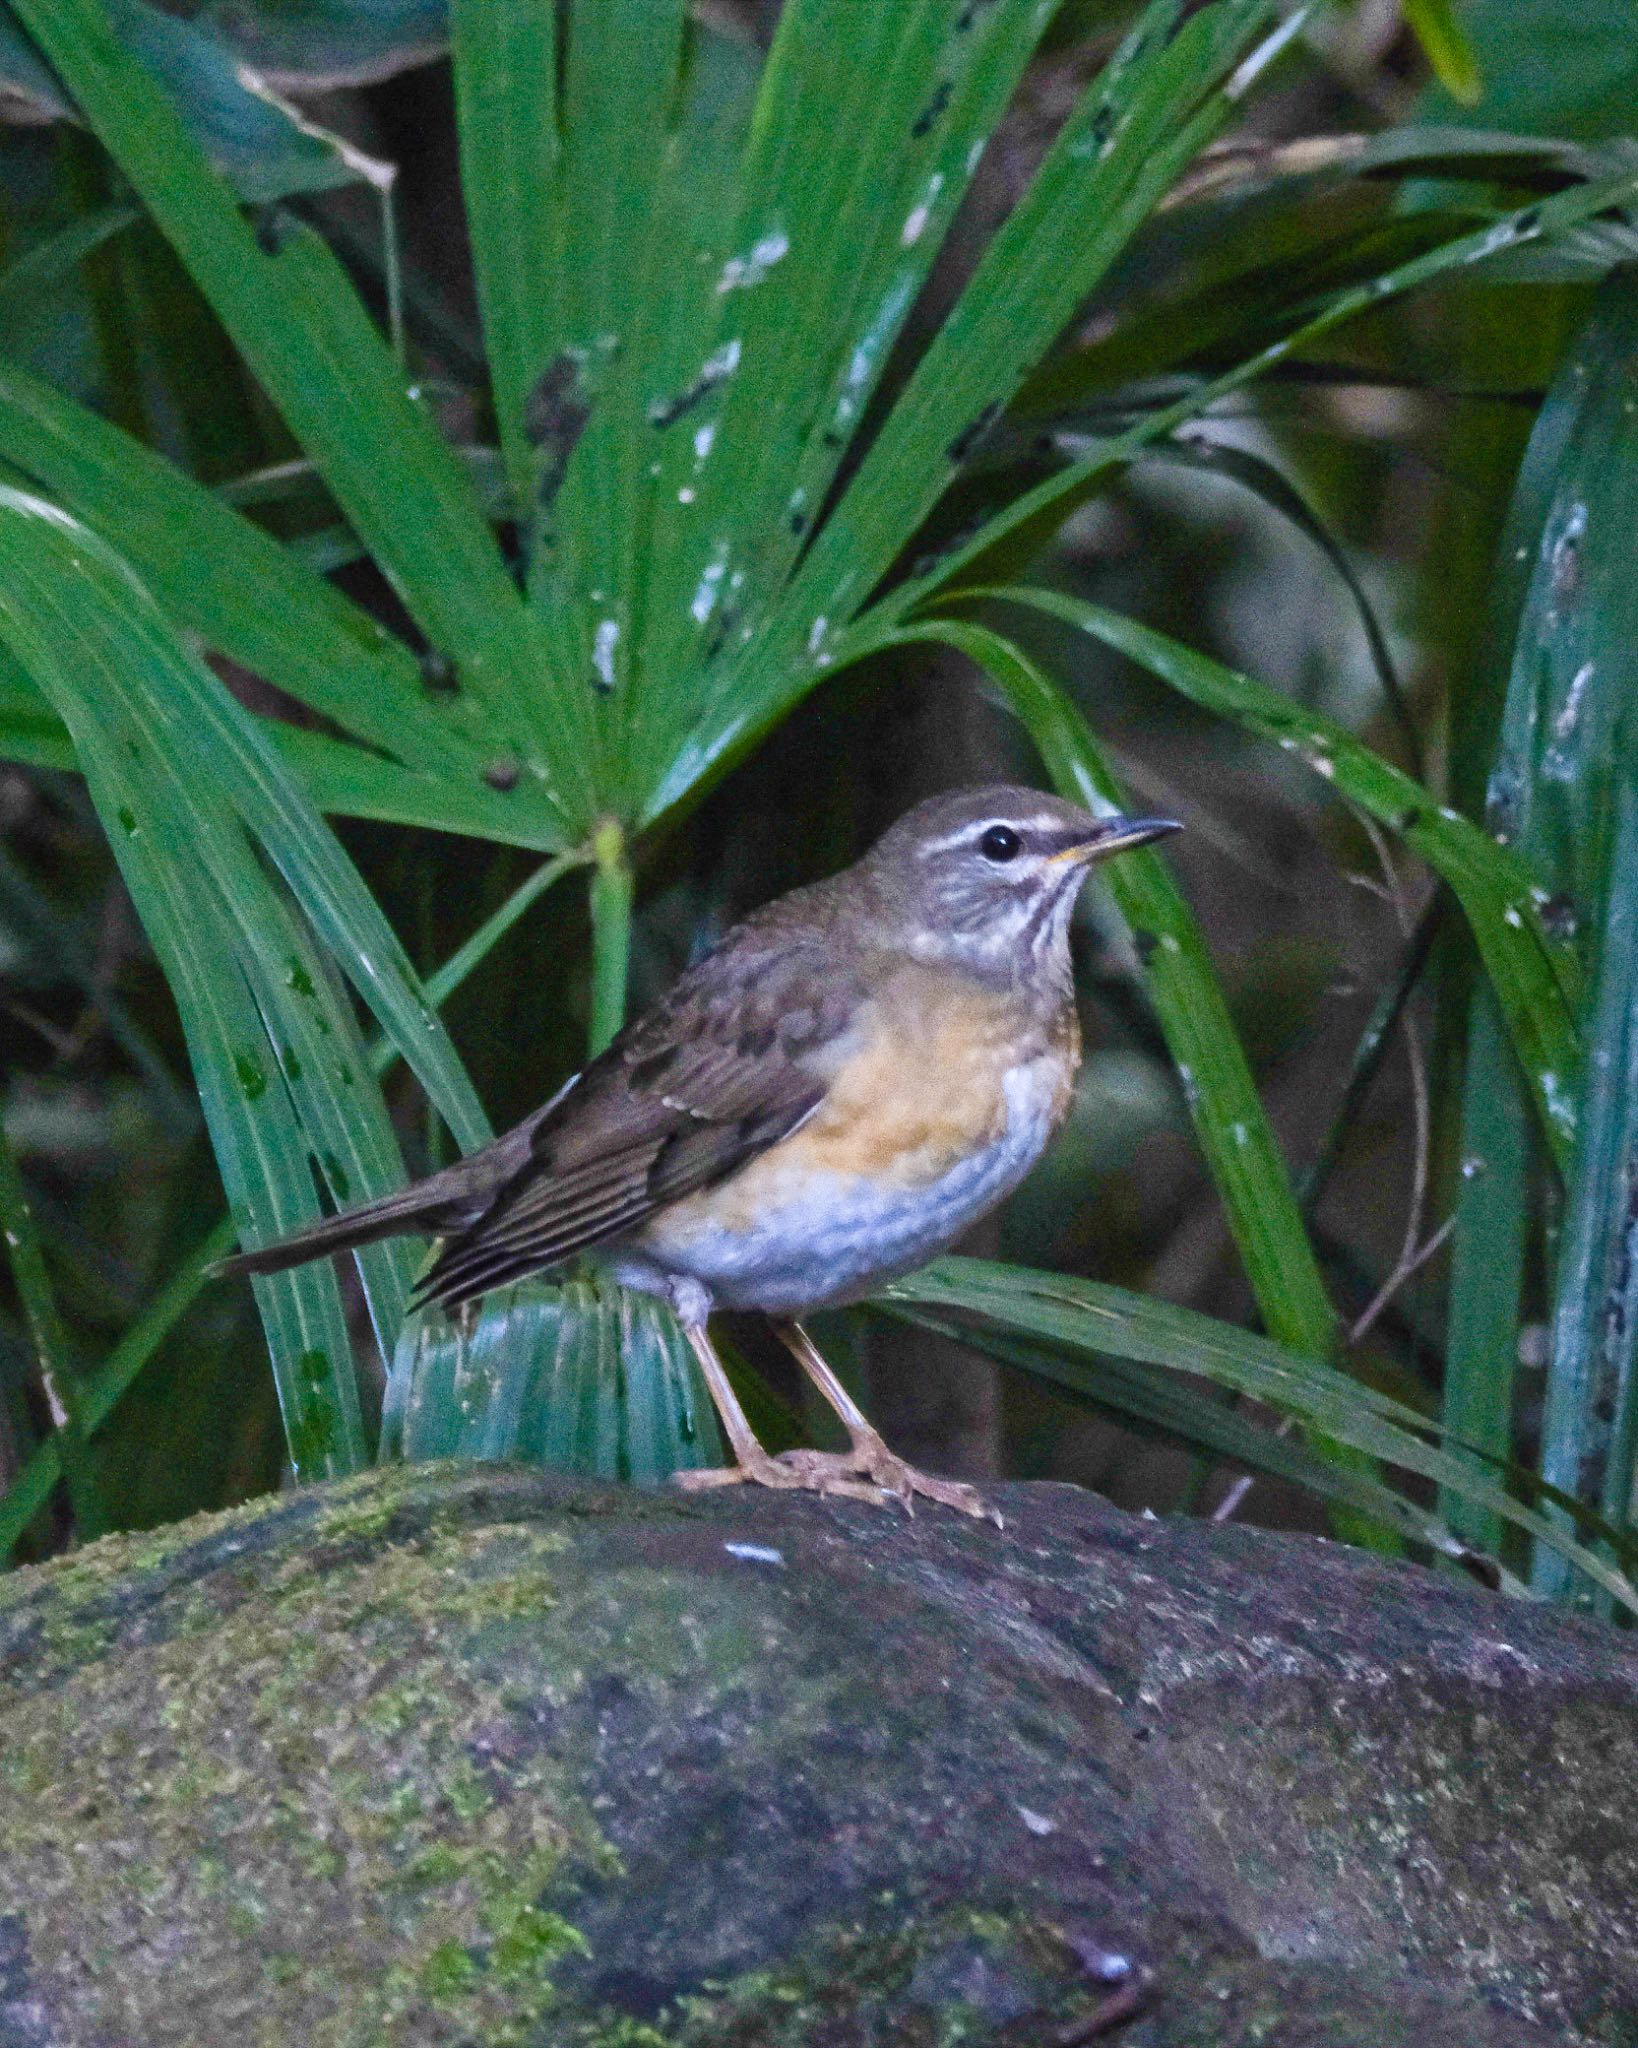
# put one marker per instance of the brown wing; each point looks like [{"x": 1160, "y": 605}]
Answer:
[{"x": 727, "y": 1065}]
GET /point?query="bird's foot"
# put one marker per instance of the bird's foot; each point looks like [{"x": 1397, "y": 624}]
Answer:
[
  {"x": 790, "y": 1472},
  {"x": 869, "y": 1471},
  {"x": 869, "y": 1458}
]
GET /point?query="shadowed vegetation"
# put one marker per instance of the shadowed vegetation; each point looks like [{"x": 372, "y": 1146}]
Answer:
[{"x": 461, "y": 545}]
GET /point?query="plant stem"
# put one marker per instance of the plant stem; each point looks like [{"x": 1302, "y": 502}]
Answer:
[
  {"x": 50, "y": 1342},
  {"x": 443, "y": 984},
  {"x": 611, "y": 892}
]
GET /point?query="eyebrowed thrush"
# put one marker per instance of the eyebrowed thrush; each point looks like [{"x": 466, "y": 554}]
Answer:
[{"x": 822, "y": 1103}]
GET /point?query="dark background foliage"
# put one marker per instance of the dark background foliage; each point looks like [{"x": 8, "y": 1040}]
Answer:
[{"x": 1333, "y": 530}]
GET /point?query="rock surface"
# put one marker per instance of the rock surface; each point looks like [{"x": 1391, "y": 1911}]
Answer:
[{"x": 476, "y": 1756}]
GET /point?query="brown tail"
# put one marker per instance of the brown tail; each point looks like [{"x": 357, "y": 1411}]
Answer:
[
  {"x": 411, "y": 1209},
  {"x": 447, "y": 1201}
]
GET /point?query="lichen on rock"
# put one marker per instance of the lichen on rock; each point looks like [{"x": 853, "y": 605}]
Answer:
[{"x": 457, "y": 1755}]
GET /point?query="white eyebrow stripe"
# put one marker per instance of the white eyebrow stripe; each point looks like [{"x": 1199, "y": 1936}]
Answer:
[{"x": 966, "y": 834}]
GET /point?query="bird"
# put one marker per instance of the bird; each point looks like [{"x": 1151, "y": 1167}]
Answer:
[{"x": 822, "y": 1103}]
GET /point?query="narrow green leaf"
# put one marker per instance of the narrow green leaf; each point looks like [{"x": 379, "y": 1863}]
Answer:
[
  {"x": 227, "y": 579},
  {"x": 297, "y": 322},
  {"x": 81, "y": 597},
  {"x": 347, "y": 781},
  {"x": 824, "y": 266},
  {"x": 1564, "y": 790},
  {"x": 1163, "y": 97},
  {"x": 1031, "y": 520},
  {"x": 505, "y": 54},
  {"x": 1161, "y": 1399},
  {"x": 340, "y": 779},
  {"x": 103, "y": 1388},
  {"x": 777, "y": 671},
  {"x": 275, "y": 1049},
  {"x": 1535, "y": 978},
  {"x": 1083, "y": 1317},
  {"x": 1590, "y": 1422},
  {"x": 1234, "y": 1132},
  {"x": 1489, "y": 554},
  {"x": 617, "y": 247}
]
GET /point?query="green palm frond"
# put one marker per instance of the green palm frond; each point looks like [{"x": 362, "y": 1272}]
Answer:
[{"x": 743, "y": 422}]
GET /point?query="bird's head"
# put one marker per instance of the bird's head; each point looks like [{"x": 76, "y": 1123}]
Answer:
[{"x": 989, "y": 876}]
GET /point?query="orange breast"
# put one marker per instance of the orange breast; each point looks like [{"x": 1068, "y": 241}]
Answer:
[{"x": 919, "y": 1086}]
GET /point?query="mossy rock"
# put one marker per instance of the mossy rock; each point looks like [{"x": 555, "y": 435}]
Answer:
[{"x": 479, "y": 1756}]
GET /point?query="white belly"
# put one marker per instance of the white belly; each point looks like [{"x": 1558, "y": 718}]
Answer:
[{"x": 818, "y": 1239}]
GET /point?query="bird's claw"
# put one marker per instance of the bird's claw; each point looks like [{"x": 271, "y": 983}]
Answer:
[
  {"x": 789, "y": 1473},
  {"x": 869, "y": 1471},
  {"x": 870, "y": 1459}
]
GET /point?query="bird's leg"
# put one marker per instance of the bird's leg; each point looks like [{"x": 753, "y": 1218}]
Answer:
[
  {"x": 869, "y": 1456},
  {"x": 751, "y": 1461}
]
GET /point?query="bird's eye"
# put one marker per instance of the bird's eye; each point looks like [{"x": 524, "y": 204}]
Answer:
[{"x": 1000, "y": 842}]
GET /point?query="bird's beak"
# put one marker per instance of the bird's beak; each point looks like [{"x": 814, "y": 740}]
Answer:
[{"x": 1115, "y": 835}]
